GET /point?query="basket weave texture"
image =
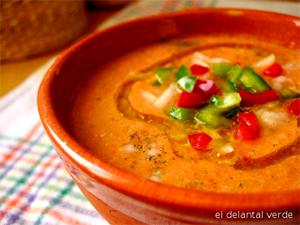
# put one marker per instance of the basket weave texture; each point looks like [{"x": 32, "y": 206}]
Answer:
[{"x": 30, "y": 27}]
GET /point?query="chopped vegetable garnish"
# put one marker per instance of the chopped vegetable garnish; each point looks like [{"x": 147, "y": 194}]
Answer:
[
  {"x": 234, "y": 74},
  {"x": 183, "y": 71},
  {"x": 213, "y": 60},
  {"x": 220, "y": 69},
  {"x": 229, "y": 86},
  {"x": 248, "y": 126},
  {"x": 201, "y": 102},
  {"x": 210, "y": 116},
  {"x": 166, "y": 96},
  {"x": 200, "y": 59},
  {"x": 198, "y": 69},
  {"x": 162, "y": 74},
  {"x": 253, "y": 81},
  {"x": 227, "y": 101},
  {"x": 294, "y": 107},
  {"x": 265, "y": 62},
  {"x": 191, "y": 100},
  {"x": 187, "y": 83},
  {"x": 180, "y": 114},
  {"x": 250, "y": 99},
  {"x": 201, "y": 94},
  {"x": 274, "y": 70},
  {"x": 199, "y": 141},
  {"x": 207, "y": 87},
  {"x": 287, "y": 93}
]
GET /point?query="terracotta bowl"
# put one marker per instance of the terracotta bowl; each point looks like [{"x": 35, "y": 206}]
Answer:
[{"x": 119, "y": 196}]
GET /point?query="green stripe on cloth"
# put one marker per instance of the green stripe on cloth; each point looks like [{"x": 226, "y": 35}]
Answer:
[
  {"x": 55, "y": 201},
  {"x": 50, "y": 187}
]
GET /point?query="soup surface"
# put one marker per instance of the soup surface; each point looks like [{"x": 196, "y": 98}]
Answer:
[{"x": 213, "y": 113}]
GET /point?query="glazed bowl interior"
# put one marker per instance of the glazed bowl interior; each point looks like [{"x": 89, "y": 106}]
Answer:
[{"x": 81, "y": 61}]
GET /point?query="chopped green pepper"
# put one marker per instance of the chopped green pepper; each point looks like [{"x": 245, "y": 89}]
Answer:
[
  {"x": 253, "y": 81},
  {"x": 229, "y": 86},
  {"x": 183, "y": 71},
  {"x": 187, "y": 83},
  {"x": 226, "y": 101},
  {"x": 232, "y": 113},
  {"x": 210, "y": 116},
  {"x": 234, "y": 74},
  {"x": 180, "y": 114},
  {"x": 287, "y": 93},
  {"x": 162, "y": 74},
  {"x": 220, "y": 69}
]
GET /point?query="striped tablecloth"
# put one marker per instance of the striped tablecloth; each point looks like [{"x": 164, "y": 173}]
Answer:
[{"x": 34, "y": 188}]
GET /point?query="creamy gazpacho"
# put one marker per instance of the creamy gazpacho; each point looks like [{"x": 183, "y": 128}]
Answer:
[{"x": 212, "y": 113}]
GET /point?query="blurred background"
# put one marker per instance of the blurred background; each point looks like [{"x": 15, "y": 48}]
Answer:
[{"x": 33, "y": 31}]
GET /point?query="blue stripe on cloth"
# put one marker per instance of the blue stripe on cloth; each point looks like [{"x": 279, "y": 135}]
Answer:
[{"x": 54, "y": 201}]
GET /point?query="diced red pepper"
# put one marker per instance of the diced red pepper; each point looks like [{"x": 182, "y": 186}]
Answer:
[
  {"x": 274, "y": 70},
  {"x": 207, "y": 87},
  {"x": 199, "y": 141},
  {"x": 250, "y": 99},
  {"x": 201, "y": 94},
  {"x": 250, "y": 119},
  {"x": 191, "y": 100},
  {"x": 248, "y": 126},
  {"x": 244, "y": 133},
  {"x": 198, "y": 69},
  {"x": 294, "y": 107}
]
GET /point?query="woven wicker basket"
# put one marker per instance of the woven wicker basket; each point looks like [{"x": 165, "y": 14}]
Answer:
[{"x": 30, "y": 27}]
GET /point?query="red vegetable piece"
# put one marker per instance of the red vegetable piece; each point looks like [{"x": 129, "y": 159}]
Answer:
[
  {"x": 294, "y": 107},
  {"x": 250, "y": 119},
  {"x": 248, "y": 127},
  {"x": 199, "y": 141},
  {"x": 191, "y": 100},
  {"x": 274, "y": 70},
  {"x": 250, "y": 99},
  {"x": 207, "y": 87},
  {"x": 198, "y": 69},
  {"x": 243, "y": 133},
  {"x": 201, "y": 94}
]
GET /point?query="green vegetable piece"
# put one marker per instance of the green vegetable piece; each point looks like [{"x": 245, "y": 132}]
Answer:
[
  {"x": 226, "y": 101},
  {"x": 229, "y": 86},
  {"x": 287, "y": 93},
  {"x": 187, "y": 83},
  {"x": 210, "y": 116},
  {"x": 220, "y": 69},
  {"x": 180, "y": 114},
  {"x": 162, "y": 74},
  {"x": 234, "y": 74},
  {"x": 183, "y": 71},
  {"x": 232, "y": 113},
  {"x": 253, "y": 81}
]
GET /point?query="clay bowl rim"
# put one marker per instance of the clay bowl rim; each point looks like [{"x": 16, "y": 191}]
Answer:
[{"x": 132, "y": 185}]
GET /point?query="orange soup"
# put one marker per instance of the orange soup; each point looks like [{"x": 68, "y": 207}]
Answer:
[{"x": 213, "y": 113}]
